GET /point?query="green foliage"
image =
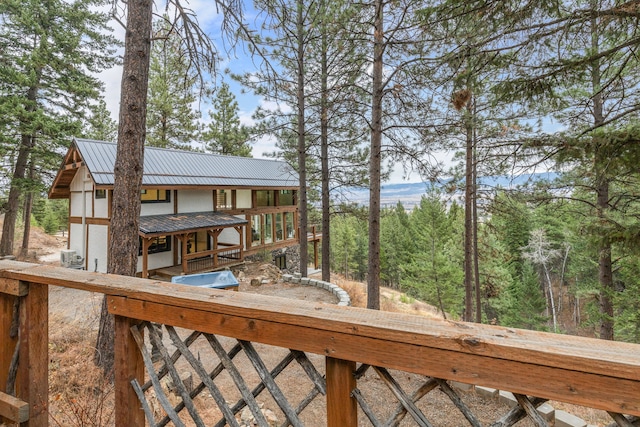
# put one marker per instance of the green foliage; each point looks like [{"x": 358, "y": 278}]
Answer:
[
  {"x": 434, "y": 273},
  {"x": 50, "y": 223},
  {"x": 224, "y": 134},
  {"x": 349, "y": 246},
  {"x": 171, "y": 120}
]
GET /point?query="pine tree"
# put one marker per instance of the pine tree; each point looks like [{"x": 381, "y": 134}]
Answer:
[
  {"x": 171, "y": 120},
  {"x": 100, "y": 125},
  {"x": 224, "y": 134},
  {"x": 50, "y": 50}
]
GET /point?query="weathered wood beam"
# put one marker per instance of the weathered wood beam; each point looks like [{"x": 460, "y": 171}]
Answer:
[{"x": 14, "y": 409}]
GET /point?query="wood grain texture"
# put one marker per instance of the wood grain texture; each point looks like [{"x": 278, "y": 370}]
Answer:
[
  {"x": 128, "y": 367},
  {"x": 13, "y": 287},
  {"x": 603, "y": 375},
  {"x": 342, "y": 409},
  {"x": 8, "y": 344},
  {"x": 13, "y": 409},
  {"x": 33, "y": 368},
  {"x": 568, "y": 385}
]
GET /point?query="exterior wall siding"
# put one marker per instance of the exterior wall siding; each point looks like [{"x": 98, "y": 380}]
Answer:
[
  {"x": 243, "y": 199},
  {"x": 97, "y": 251},
  {"x": 156, "y": 208},
  {"x": 195, "y": 200}
]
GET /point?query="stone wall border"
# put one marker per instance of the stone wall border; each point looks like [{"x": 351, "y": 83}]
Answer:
[
  {"x": 341, "y": 294},
  {"x": 549, "y": 413}
]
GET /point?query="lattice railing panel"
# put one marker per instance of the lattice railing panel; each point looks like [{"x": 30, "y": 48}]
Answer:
[
  {"x": 427, "y": 402},
  {"x": 205, "y": 380}
]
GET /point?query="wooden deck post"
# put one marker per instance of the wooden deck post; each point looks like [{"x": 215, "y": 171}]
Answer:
[
  {"x": 33, "y": 368},
  {"x": 342, "y": 410},
  {"x": 128, "y": 366},
  {"x": 8, "y": 344}
]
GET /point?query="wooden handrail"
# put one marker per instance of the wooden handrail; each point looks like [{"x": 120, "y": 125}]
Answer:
[{"x": 589, "y": 372}]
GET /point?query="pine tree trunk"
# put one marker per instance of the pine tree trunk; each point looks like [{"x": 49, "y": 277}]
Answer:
[
  {"x": 13, "y": 201},
  {"x": 302, "y": 149},
  {"x": 605, "y": 270},
  {"x": 373, "y": 274},
  {"x": 468, "y": 218},
  {"x": 123, "y": 231},
  {"x": 474, "y": 205},
  {"x": 324, "y": 159},
  {"x": 28, "y": 205}
]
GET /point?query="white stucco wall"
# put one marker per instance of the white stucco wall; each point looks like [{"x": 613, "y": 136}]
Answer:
[
  {"x": 195, "y": 200},
  {"x": 98, "y": 237},
  {"x": 243, "y": 199},
  {"x": 82, "y": 181},
  {"x": 101, "y": 207},
  {"x": 156, "y": 208},
  {"x": 229, "y": 235},
  {"x": 163, "y": 259},
  {"x": 75, "y": 238}
]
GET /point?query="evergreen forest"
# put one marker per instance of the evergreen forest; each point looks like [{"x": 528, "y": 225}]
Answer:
[{"x": 350, "y": 93}]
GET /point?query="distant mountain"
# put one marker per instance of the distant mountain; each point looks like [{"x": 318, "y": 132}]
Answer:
[{"x": 409, "y": 194}]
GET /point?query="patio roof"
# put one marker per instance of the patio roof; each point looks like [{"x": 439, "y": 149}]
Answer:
[{"x": 187, "y": 222}]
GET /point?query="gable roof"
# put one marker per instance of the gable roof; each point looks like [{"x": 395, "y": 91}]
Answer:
[{"x": 174, "y": 168}]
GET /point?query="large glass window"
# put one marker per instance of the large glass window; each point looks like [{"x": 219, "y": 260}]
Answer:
[
  {"x": 155, "y": 196},
  {"x": 285, "y": 198},
  {"x": 279, "y": 227},
  {"x": 291, "y": 228},
  {"x": 265, "y": 198},
  {"x": 158, "y": 244},
  {"x": 256, "y": 230},
  {"x": 198, "y": 243},
  {"x": 224, "y": 199},
  {"x": 268, "y": 228}
]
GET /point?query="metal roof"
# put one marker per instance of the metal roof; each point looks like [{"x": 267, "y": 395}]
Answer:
[
  {"x": 165, "y": 167},
  {"x": 175, "y": 223}
]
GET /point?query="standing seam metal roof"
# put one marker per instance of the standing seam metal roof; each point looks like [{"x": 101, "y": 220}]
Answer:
[{"x": 176, "y": 167}]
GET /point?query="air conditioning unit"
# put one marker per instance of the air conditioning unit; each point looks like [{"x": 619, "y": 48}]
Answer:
[{"x": 67, "y": 257}]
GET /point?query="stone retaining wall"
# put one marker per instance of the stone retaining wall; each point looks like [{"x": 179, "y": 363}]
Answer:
[
  {"x": 343, "y": 296},
  {"x": 553, "y": 416}
]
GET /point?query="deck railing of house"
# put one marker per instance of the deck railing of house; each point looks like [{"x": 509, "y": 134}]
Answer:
[
  {"x": 308, "y": 363},
  {"x": 225, "y": 253}
]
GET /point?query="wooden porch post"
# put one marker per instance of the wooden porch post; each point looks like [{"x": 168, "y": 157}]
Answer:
[
  {"x": 128, "y": 366},
  {"x": 239, "y": 230},
  {"x": 146, "y": 243},
  {"x": 214, "y": 236},
  {"x": 315, "y": 254},
  {"x": 342, "y": 410},
  {"x": 33, "y": 368}
]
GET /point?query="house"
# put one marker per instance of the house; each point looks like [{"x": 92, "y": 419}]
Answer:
[{"x": 199, "y": 211}]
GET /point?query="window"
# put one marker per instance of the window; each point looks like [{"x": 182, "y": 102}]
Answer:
[
  {"x": 155, "y": 196},
  {"x": 291, "y": 228},
  {"x": 256, "y": 230},
  {"x": 265, "y": 198},
  {"x": 286, "y": 198},
  {"x": 268, "y": 228},
  {"x": 281, "y": 261},
  {"x": 158, "y": 244},
  {"x": 200, "y": 243},
  {"x": 279, "y": 235},
  {"x": 101, "y": 194},
  {"x": 224, "y": 199}
]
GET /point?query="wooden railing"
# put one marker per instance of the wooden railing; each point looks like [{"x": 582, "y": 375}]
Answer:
[
  {"x": 331, "y": 347},
  {"x": 225, "y": 253}
]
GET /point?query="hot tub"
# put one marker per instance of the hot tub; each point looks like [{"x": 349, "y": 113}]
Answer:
[{"x": 217, "y": 280}]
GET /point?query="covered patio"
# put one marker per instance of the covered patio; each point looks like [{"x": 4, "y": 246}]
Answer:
[{"x": 157, "y": 230}]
